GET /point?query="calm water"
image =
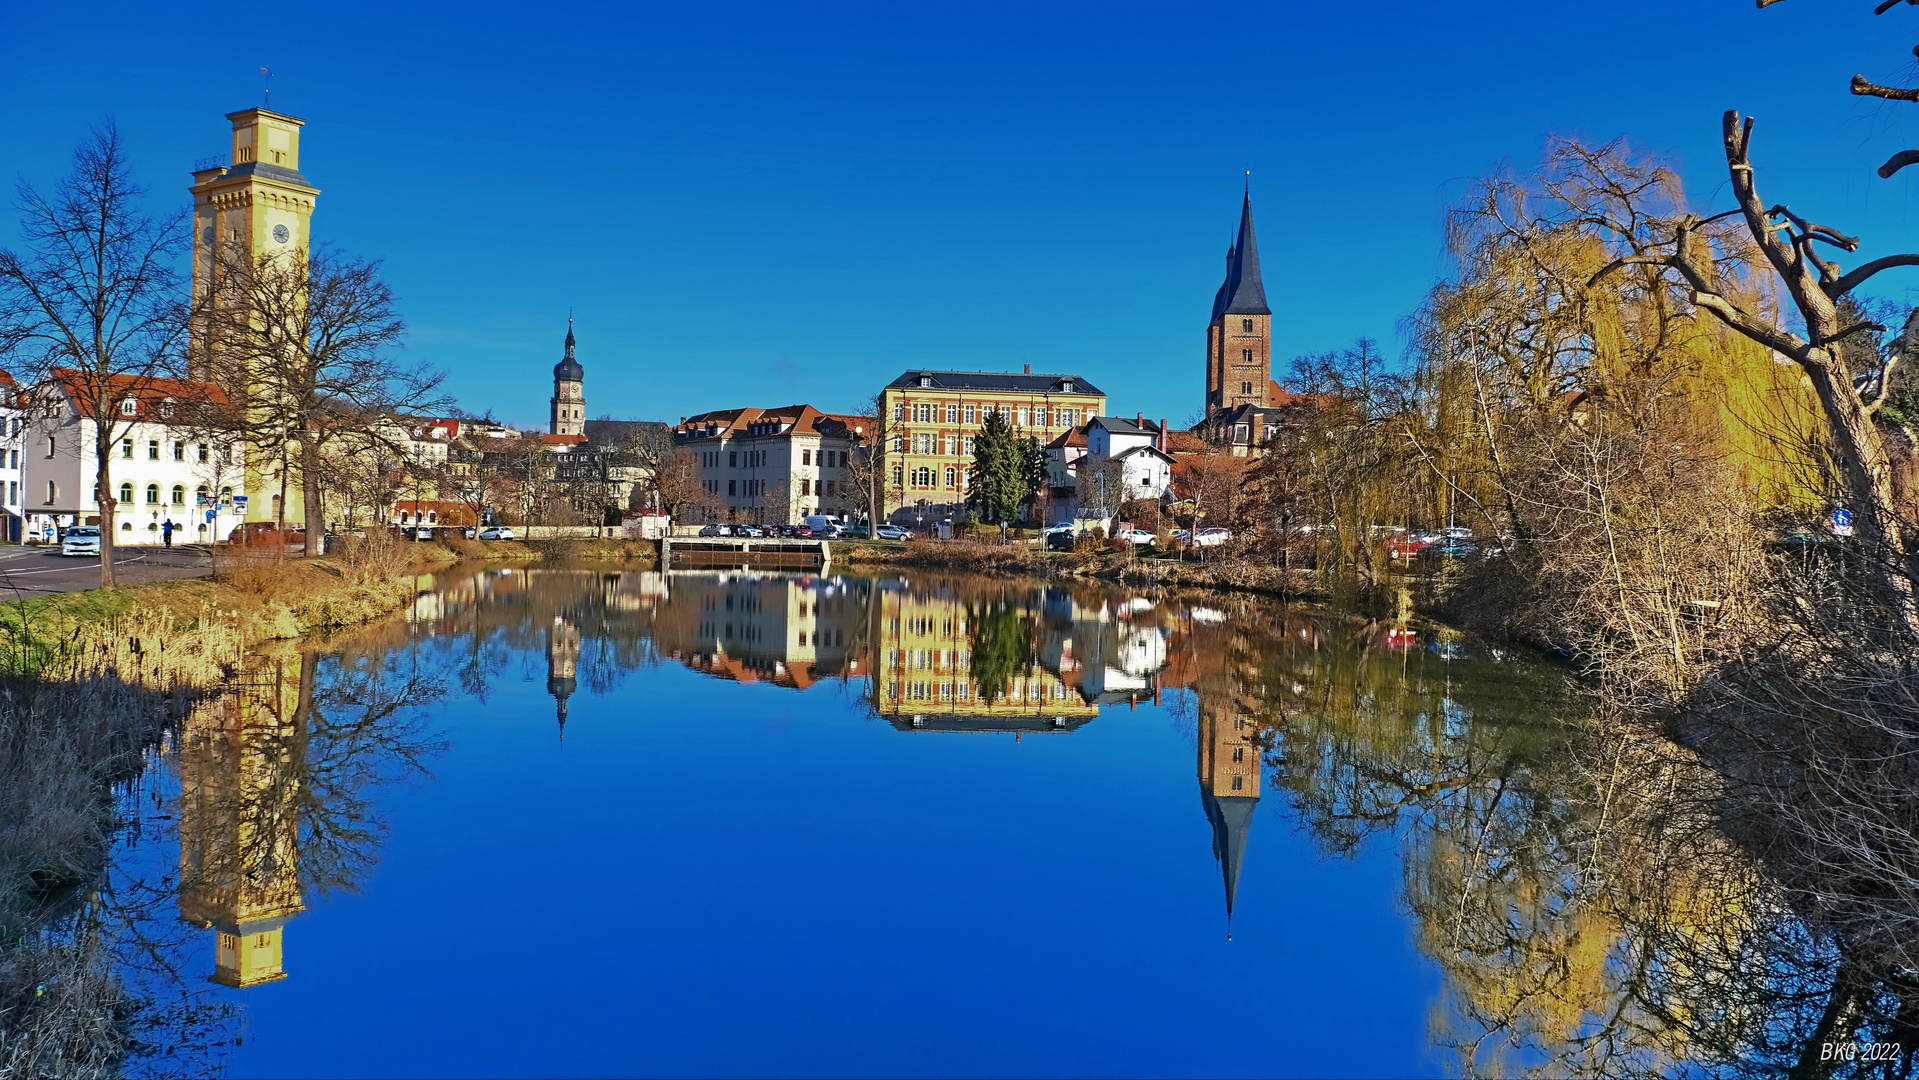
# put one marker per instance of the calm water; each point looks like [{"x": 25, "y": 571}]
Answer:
[{"x": 560, "y": 822}]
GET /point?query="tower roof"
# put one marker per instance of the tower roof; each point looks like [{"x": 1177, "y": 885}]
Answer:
[
  {"x": 569, "y": 369},
  {"x": 1242, "y": 293},
  {"x": 1232, "y": 819}
]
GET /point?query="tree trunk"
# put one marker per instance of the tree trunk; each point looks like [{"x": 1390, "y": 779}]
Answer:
[
  {"x": 103, "y": 478},
  {"x": 1868, "y": 477},
  {"x": 310, "y": 494}
]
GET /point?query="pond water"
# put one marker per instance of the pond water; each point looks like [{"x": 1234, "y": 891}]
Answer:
[{"x": 585, "y": 822}]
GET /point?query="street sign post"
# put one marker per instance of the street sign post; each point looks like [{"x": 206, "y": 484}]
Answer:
[{"x": 1842, "y": 522}]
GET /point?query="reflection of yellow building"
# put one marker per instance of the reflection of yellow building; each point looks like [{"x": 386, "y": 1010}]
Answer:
[
  {"x": 240, "y": 761},
  {"x": 1229, "y": 776},
  {"x": 925, "y": 677}
]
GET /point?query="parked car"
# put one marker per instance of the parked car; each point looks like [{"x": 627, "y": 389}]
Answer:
[
  {"x": 417, "y": 532},
  {"x": 892, "y": 532},
  {"x": 717, "y": 530},
  {"x": 1059, "y": 539},
  {"x": 1139, "y": 537},
  {"x": 750, "y": 531},
  {"x": 496, "y": 532},
  {"x": 469, "y": 531},
  {"x": 1410, "y": 548},
  {"x": 1212, "y": 537},
  {"x": 802, "y": 532},
  {"x": 81, "y": 540},
  {"x": 854, "y": 532}
]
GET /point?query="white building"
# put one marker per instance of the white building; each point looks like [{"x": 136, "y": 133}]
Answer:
[
  {"x": 175, "y": 459},
  {"x": 772, "y": 466},
  {"x": 1138, "y": 448},
  {"x": 13, "y": 424}
]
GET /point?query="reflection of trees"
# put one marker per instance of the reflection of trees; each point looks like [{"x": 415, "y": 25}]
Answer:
[
  {"x": 1574, "y": 881},
  {"x": 1002, "y": 645}
]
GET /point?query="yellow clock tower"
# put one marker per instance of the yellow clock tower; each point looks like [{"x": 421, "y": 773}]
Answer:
[{"x": 260, "y": 204}]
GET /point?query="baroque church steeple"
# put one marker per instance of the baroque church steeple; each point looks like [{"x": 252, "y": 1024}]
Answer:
[
  {"x": 569, "y": 394},
  {"x": 1239, "y": 336}
]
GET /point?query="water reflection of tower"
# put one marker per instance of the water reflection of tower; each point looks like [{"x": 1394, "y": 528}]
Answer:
[
  {"x": 562, "y": 662},
  {"x": 241, "y": 758},
  {"x": 1229, "y": 777}
]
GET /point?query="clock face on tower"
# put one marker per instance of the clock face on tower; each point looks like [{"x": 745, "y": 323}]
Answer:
[{"x": 281, "y": 235}]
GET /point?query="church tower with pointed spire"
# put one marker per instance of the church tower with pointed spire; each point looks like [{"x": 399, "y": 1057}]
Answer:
[
  {"x": 569, "y": 395},
  {"x": 1239, "y": 355},
  {"x": 562, "y": 665}
]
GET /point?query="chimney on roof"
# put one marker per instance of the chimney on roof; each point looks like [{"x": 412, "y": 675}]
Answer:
[
  {"x": 1162, "y": 435},
  {"x": 1029, "y": 369},
  {"x": 1139, "y": 419},
  {"x": 682, "y": 421}
]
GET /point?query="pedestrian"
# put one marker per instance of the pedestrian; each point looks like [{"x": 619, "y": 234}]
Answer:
[{"x": 166, "y": 533}]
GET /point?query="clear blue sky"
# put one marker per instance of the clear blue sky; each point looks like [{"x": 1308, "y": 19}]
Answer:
[{"x": 761, "y": 204}]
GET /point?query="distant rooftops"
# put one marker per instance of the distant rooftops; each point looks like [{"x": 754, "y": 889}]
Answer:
[{"x": 1002, "y": 382}]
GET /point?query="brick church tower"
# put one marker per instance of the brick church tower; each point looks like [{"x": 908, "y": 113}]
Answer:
[{"x": 1239, "y": 355}]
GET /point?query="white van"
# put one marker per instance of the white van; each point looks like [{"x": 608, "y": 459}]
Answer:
[{"x": 825, "y": 526}]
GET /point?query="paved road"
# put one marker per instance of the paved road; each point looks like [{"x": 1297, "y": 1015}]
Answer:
[{"x": 39, "y": 571}]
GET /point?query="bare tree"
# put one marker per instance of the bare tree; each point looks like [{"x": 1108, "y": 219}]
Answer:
[
  {"x": 306, "y": 345},
  {"x": 1785, "y": 241},
  {"x": 95, "y": 294},
  {"x": 868, "y": 470}
]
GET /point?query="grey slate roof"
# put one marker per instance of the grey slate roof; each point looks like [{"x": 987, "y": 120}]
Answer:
[
  {"x": 1232, "y": 818},
  {"x": 1242, "y": 293},
  {"x": 569, "y": 369},
  {"x": 995, "y": 381},
  {"x": 1119, "y": 425},
  {"x": 613, "y": 432},
  {"x": 264, "y": 171}
]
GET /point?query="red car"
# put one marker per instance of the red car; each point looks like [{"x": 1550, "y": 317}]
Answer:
[{"x": 1407, "y": 549}]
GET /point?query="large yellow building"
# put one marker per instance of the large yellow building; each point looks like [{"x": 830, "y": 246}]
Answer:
[
  {"x": 259, "y": 204},
  {"x": 934, "y": 415}
]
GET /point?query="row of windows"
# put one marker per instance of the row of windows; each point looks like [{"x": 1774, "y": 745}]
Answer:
[
  {"x": 928, "y": 443},
  {"x": 200, "y": 451},
  {"x": 1019, "y": 416},
  {"x": 757, "y": 458},
  {"x": 926, "y": 477},
  {"x": 756, "y": 488},
  {"x": 178, "y": 495},
  {"x": 950, "y": 691}
]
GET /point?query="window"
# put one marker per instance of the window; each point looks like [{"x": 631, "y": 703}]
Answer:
[
  {"x": 226, "y": 494},
  {"x": 153, "y": 494},
  {"x": 952, "y": 414},
  {"x": 972, "y": 414},
  {"x": 729, "y": 487},
  {"x": 53, "y": 493},
  {"x": 126, "y": 526},
  {"x": 200, "y": 495},
  {"x": 926, "y": 380},
  {"x": 952, "y": 477},
  {"x": 126, "y": 493},
  {"x": 153, "y": 449},
  {"x": 1024, "y": 415},
  {"x": 1240, "y": 433},
  {"x": 179, "y": 451},
  {"x": 128, "y": 407},
  {"x": 806, "y": 457},
  {"x": 126, "y": 449},
  {"x": 899, "y": 410},
  {"x": 806, "y": 486},
  {"x": 733, "y": 460},
  {"x": 200, "y": 451},
  {"x": 898, "y": 476},
  {"x": 1245, "y": 388},
  {"x": 968, "y": 444},
  {"x": 1238, "y": 781},
  {"x": 1246, "y": 325},
  {"x": 1239, "y": 752},
  {"x": 179, "y": 495},
  {"x": 49, "y": 446}
]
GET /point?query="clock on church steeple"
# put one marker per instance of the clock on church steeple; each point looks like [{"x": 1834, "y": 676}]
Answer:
[{"x": 569, "y": 396}]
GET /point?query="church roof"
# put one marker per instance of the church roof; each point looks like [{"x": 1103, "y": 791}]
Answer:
[
  {"x": 569, "y": 369},
  {"x": 1242, "y": 293},
  {"x": 1232, "y": 818}
]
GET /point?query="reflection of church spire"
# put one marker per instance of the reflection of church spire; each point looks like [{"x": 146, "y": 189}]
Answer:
[
  {"x": 562, "y": 659},
  {"x": 1229, "y": 776}
]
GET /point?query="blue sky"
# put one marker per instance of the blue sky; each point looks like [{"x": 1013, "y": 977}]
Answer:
[{"x": 762, "y": 204}]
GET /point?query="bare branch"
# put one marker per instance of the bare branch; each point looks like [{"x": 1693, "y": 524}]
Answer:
[
  {"x": 1896, "y": 162},
  {"x": 1867, "y": 88},
  {"x": 1859, "y": 275}
]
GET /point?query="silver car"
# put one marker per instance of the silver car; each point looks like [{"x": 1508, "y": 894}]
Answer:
[{"x": 82, "y": 540}]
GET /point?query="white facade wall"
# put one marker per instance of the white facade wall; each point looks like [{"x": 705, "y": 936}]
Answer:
[
  {"x": 774, "y": 479},
  {"x": 166, "y": 469}
]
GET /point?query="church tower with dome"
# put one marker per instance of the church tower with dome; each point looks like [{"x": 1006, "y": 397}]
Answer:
[{"x": 569, "y": 397}]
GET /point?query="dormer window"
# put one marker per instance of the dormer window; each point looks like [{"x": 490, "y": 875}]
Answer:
[
  {"x": 166, "y": 409},
  {"x": 926, "y": 380},
  {"x": 128, "y": 407},
  {"x": 1066, "y": 386}
]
